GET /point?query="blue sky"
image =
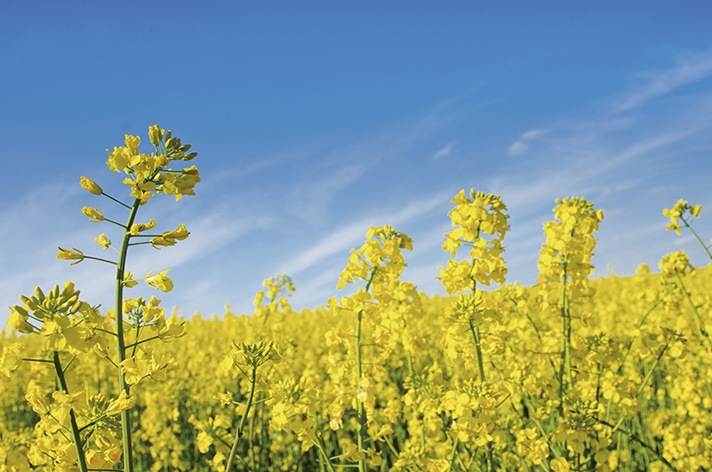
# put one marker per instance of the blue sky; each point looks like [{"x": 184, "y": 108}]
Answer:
[{"x": 314, "y": 120}]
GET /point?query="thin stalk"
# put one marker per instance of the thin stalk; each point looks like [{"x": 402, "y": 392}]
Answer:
[
  {"x": 361, "y": 408},
  {"x": 239, "y": 431},
  {"x": 72, "y": 419},
  {"x": 698, "y": 238},
  {"x": 120, "y": 347},
  {"x": 319, "y": 444},
  {"x": 362, "y": 466},
  {"x": 475, "y": 330},
  {"x": 454, "y": 453},
  {"x": 565, "y": 366},
  {"x": 647, "y": 446}
]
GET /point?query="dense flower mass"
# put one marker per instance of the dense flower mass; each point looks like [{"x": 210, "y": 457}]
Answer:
[{"x": 572, "y": 374}]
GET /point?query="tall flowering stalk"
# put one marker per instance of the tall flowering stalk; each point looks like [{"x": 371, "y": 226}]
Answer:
[
  {"x": 147, "y": 175},
  {"x": 472, "y": 218},
  {"x": 566, "y": 259},
  {"x": 379, "y": 262}
]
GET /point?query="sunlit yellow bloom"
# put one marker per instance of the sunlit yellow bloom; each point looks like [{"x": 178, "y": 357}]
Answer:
[
  {"x": 103, "y": 241},
  {"x": 179, "y": 233},
  {"x": 122, "y": 403},
  {"x": 19, "y": 321},
  {"x": 160, "y": 281},
  {"x": 37, "y": 401},
  {"x": 677, "y": 214},
  {"x": 137, "y": 228},
  {"x": 128, "y": 280},
  {"x": 93, "y": 214},
  {"x": 11, "y": 358}
]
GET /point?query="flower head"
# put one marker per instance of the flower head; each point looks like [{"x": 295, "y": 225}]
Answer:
[{"x": 160, "y": 281}]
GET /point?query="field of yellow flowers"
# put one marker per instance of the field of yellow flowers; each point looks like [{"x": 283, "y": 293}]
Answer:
[{"x": 571, "y": 374}]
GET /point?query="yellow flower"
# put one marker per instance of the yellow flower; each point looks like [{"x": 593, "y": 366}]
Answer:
[
  {"x": 128, "y": 280},
  {"x": 19, "y": 321},
  {"x": 124, "y": 402},
  {"x": 103, "y": 241},
  {"x": 73, "y": 255},
  {"x": 37, "y": 401},
  {"x": 160, "y": 281},
  {"x": 93, "y": 214},
  {"x": 91, "y": 186},
  {"x": 179, "y": 233},
  {"x": 141, "y": 227},
  {"x": 560, "y": 465},
  {"x": 11, "y": 358}
]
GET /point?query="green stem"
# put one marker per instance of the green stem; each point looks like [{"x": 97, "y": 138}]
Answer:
[
  {"x": 120, "y": 347},
  {"x": 117, "y": 201},
  {"x": 565, "y": 336},
  {"x": 240, "y": 427},
  {"x": 647, "y": 446},
  {"x": 100, "y": 259},
  {"x": 319, "y": 444},
  {"x": 362, "y": 466},
  {"x": 475, "y": 330},
  {"x": 361, "y": 408},
  {"x": 72, "y": 419},
  {"x": 454, "y": 454},
  {"x": 698, "y": 238},
  {"x": 478, "y": 349}
]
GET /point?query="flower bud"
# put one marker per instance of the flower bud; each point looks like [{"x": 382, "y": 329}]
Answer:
[
  {"x": 155, "y": 134},
  {"x": 91, "y": 186},
  {"x": 93, "y": 214}
]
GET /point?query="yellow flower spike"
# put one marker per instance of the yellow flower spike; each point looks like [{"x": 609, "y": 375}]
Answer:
[
  {"x": 90, "y": 186},
  {"x": 73, "y": 255},
  {"x": 103, "y": 241},
  {"x": 160, "y": 281}
]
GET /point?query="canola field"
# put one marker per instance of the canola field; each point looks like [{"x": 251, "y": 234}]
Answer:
[{"x": 571, "y": 374}]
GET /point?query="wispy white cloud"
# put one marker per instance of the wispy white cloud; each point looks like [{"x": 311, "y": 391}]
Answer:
[
  {"x": 444, "y": 152},
  {"x": 531, "y": 134},
  {"x": 345, "y": 238},
  {"x": 517, "y": 148},
  {"x": 309, "y": 198},
  {"x": 690, "y": 69}
]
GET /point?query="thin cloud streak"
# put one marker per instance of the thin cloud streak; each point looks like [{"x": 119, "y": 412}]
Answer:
[
  {"x": 444, "y": 152},
  {"x": 345, "y": 238},
  {"x": 692, "y": 69}
]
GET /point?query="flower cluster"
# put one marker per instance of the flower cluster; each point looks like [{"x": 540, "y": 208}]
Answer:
[
  {"x": 677, "y": 214},
  {"x": 570, "y": 243},
  {"x": 471, "y": 218}
]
